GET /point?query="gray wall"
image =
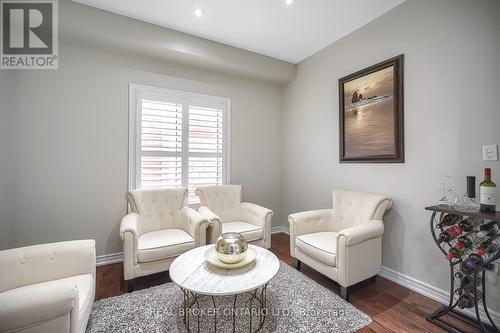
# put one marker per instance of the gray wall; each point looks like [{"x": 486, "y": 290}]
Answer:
[
  {"x": 452, "y": 68},
  {"x": 6, "y": 183},
  {"x": 70, "y": 130}
]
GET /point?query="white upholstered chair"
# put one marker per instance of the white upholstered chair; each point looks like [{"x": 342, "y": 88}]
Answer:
[
  {"x": 226, "y": 213},
  {"x": 343, "y": 243},
  {"x": 47, "y": 288},
  {"x": 159, "y": 228}
]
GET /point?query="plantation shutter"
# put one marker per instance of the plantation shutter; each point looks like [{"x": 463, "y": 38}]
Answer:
[
  {"x": 206, "y": 142},
  {"x": 180, "y": 141},
  {"x": 161, "y": 143}
]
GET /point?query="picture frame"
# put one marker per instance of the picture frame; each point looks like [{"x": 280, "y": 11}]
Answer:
[{"x": 371, "y": 117}]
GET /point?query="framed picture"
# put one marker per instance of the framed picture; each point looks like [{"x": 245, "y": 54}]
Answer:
[{"x": 371, "y": 114}]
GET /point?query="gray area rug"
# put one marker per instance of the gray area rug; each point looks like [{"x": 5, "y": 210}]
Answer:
[{"x": 295, "y": 304}]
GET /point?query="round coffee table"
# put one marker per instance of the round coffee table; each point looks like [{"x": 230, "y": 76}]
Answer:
[{"x": 198, "y": 278}]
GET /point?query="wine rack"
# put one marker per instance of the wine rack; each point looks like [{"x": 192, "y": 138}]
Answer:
[{"x": 461, "y": 266}]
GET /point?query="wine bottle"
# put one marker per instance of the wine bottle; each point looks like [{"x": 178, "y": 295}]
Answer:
[
  {"x": 455, "y": 252},
  {"x": 471, "y": 263},
  {"x": 448, "y": 220},
  {"x": 466, "y": 225},
  {"x": 476, "y": 259},
  {"x": 471, "y": 187},
  {"x": 466, "y": 284},
  {"x": 469, "y": 299},
  {"x": 482, "y": 251},
  {"x": 488, "y": 229},
  {"x": 466, "y": 241},
  {"x": 487, "y": 190},
  {"x": 464, "y": 268},
  {"x": 487, "y": 248},
  {"x": 450, "y": 233},
  {"x": 490, "y": 243}
]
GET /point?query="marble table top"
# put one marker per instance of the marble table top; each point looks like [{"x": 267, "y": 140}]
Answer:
[{"x": 190, "y": 271}]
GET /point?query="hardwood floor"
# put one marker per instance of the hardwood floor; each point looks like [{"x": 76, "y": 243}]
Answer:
[{"x": 392, "y": 307}]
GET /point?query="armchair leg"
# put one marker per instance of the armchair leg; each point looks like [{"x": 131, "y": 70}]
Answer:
[
  {"x": 167, "y": 275},
  {"x": 130, "y": 285},
  {"x": 344, "y": 293},
  {"x": 297, "y": 264},
  {"x": 373, "y": 279}
]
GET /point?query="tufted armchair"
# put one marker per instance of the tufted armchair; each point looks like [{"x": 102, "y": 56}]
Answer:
[
  {"x": 48, "y": 287},
  {"x": 158, "y": 229},
  {"x": 222, "y": 206},
  {"x": 343, "y": 243}
]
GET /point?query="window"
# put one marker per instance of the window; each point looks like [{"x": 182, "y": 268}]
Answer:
[{"x": 177, "y": 139}]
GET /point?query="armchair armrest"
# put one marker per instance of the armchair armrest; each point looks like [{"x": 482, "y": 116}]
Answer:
[
  {"x": 196, "y": 225},
  {"x": 308, "y": 222},
  {"x": 211, "y": 216},
  {"x": 362, "y": 232},
  {"x": 214, "y": 227},
  {"x": 359, "y": 252},
  {"x": 35, "y": 304},
  {"x": 130, "y": 230},
  {"x": 130, "y": 223},
  {"x": 259, "y": 216},
  {"x": 255, "y": 214}
]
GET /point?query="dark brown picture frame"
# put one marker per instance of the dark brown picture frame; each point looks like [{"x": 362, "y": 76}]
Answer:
[{"x": 398, "y": 156}]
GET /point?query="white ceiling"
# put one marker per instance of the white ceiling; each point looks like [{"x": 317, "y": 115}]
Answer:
[{"x": 269, "y": 27}]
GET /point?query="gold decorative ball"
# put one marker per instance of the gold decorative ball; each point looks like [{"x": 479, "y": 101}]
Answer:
[{"x": 231, "y": 247}]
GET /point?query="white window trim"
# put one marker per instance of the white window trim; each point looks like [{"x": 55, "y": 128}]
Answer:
[{"x": 135, "y": 93}]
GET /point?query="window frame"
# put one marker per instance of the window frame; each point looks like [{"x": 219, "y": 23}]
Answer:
[{"x": 136, "y": 92}]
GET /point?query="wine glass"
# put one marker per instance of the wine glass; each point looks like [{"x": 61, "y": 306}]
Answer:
[
  {"x": 450, "y": 194},
  {"x": 444, "y": 200}
]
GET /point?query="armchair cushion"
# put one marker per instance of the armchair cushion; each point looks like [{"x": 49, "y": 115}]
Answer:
[
  {"x": 251, "y": 232},
  {"x": 319, "y": 245},
  {"x": 161, "y": 244}
]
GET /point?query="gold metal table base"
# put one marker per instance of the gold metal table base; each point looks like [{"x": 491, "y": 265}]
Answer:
[{"x": 257, "y": 296}]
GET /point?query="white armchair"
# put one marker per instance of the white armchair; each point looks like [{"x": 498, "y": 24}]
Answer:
[
  {"x": 158, "y": 229},
  {"x": 343, "y": 243},
  {"x": 47, "y": 288},
  {"x": 223, "y": 208}
]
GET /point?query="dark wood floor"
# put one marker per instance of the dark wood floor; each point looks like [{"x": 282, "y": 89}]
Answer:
[{"x": 392, "y": 307}]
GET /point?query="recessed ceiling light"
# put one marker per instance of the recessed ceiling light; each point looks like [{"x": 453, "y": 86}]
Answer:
[
  {"x": 199, "y": 12},
  {"x": 289, "y": 2}
]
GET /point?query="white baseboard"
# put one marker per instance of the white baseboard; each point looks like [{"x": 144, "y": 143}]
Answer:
[
  {"x": 280, "y": 229},
  {"x": 108, "y": 259},
  {"x": 429, "y": 291}
]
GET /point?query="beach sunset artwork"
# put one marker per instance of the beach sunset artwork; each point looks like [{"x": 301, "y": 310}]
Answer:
[{"x": 369, "y": 116}]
